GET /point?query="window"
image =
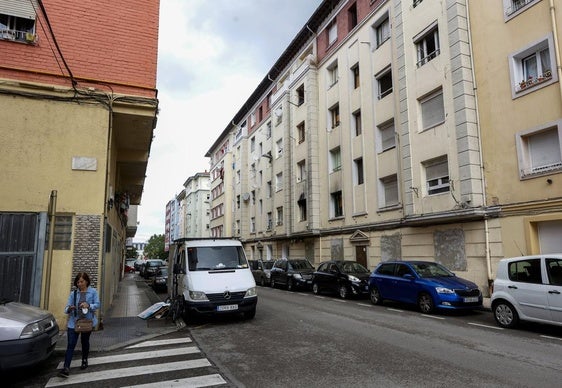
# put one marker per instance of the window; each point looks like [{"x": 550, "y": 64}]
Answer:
[
  {"x": 333, "y": 74},
  {"x": 279, "y": 181},
  {"x": 335, "y": 115},
  {"x": 359, "y": 178},
  {"x": 437, "y": 176},
  {"x": 252, "y": 144},
  {"x": 252, "y": 225},
  {"x": 301, "y": 170},
  {"x": 385, "y": 84},
  {"x": 427, "y": 46},
  {"x": 335, "y": 159},
  {"x": 357, "y": 123},
  {"x": 17, "y": 20},
  {"x": 332, "y": 33},
  {"x": 432, "y": 110},
  {"x": 268, "y": 130},
  {"x": 300, "y": 95},
  {"x": 302, "y": 208},
  {"x": 269, "y": 189},
  {"x": 389, "y": 191},
  {"x": 280, "y": 215},
  {"x": 526, "y": 271},
  {"x": 512, "y": 6},
  {"x": 352, "y": 16},
  {"x": 260, "y": 114},
  {"x": 301, "y": 132},
  {"x": 252, "y": 119},
  {"x": 336, "y": 204},
  {"x": 382, "y": 31},
  {"x": 269, "y": 225},
  {"x": 355, "y": 76},
  {"x": 532, "y": 66},
  {"x": 539, "y": 151},
  {"x": 279, "y": 145},
  {"x": 386, "y": 136},
  {"x": 238, "y": 202}
]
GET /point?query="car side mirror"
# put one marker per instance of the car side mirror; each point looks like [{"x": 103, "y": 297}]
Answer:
[{"x": 408, "y": 276}]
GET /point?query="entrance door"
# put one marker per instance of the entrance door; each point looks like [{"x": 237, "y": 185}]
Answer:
[{"x": 361, "y": 255}]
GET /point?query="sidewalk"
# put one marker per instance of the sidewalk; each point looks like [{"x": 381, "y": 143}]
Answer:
[{"x": 121, "y": 326}]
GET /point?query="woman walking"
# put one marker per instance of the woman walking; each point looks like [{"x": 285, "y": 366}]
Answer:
[{"x": 83, "y": 301}]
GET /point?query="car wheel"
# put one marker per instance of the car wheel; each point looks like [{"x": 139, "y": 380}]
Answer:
[
  {"x": 375, "y": 296},
  {"x": 505, "y": 314},
  {"x": 343, "y": 292},
  {"x": 250, "y": 314},
  {"x": 290, "y": 285},
  {"x": 272, "y": 283},
  {"x": 425, "y": 303},
  {"x": 262, "y": 282},
  {"x": 315, "y": 288}
]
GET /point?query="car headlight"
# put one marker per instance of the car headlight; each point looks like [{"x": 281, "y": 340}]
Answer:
[
  {"x": 251, "y": 292},
  {"x": 297, "y": 276},
  {"x": 198, "y": 295},
  {"x": 353, "y": 279},
  {"x": 443, "y": 290},
  {"x": 31, "y": 330}
]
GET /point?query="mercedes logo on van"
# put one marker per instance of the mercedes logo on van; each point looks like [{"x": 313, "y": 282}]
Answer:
[{"x": 226, "y": 295}]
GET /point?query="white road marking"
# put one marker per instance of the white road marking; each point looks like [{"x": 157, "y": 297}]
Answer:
[
  {"x": 319, "y": 297},
  {"x": 396, "y": 310},
  {"x": 127, "y": 372},
  {"x": 486, "y": 326},
  {"x": 364, "y": 305},
  {"x": 192, "y": 382},
  {"x": 135, "y": 356},
  {"x": 172, "y": 341},
  {"x": 431, "y": 316},
  {"x": 302, "y": 293},
  {"x": 550, "y": 337},
  {"x": 340, "y": 300}
]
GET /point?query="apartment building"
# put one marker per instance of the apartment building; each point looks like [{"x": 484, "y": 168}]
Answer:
[
  {"x": 516, "y": 46},
  {"x": 78, "y": 110},
  {"x": 365, "y": 142},
  {"x": 197, "y": 205}
]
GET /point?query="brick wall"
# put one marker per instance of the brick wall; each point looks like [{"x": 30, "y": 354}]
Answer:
[{"x": 87, "y": 235}]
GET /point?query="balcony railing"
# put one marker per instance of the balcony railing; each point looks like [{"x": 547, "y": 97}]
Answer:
[
  {"x": 18, "y": 36},
  {"x": 533, "y": 81},
  {"x": 516, "y": 5}
]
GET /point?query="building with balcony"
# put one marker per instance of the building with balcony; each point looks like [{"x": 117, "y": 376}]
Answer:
[
  {"x": 79, "y": 105},
  {"x": 197, "y": 205},
  {"x": 516, "y": 47}
]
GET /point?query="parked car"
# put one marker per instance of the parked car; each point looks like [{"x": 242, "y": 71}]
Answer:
[
  {"x": 346, "y": 278},
  {"x": 528, "y": 288},
  {"x": 150, "y": 267},
  {"x": 262, "y": 271},
  {"x": 130, "y": 265},
  {"x": 292, "y": 273},
  {"x": 28, "y": 334},
  {"x": 427, "y": 284},
  {"x": 159, "y": 281},
  {"x": 139, "y": 263}
]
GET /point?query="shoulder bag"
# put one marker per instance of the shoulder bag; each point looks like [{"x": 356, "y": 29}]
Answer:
[{"x": 82, "y": 325}]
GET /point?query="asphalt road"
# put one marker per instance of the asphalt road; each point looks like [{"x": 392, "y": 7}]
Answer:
[{"x": 298, "y": 339}]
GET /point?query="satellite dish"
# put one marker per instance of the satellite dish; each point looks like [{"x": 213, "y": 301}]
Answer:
[{"x": 246, "y": 197}]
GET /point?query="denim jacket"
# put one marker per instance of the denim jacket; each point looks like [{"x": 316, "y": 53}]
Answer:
[{"x": 92, "y": 298}]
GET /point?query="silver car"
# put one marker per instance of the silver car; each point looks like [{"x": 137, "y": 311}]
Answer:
[{"x": 28, "y": 334}]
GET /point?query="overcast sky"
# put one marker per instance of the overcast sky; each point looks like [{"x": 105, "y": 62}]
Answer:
[{"x": 212, "y": 56}]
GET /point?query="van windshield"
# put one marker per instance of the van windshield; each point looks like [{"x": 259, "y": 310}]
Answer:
[{"x": 211, "y": 258}]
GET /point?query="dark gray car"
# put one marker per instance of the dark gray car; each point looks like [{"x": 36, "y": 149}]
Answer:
[
  {"x": 261, "y": 269},
  {"x": 292, "y": 273}
]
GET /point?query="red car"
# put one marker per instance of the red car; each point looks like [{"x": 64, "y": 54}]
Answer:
[{"x": 129, "y": 265}]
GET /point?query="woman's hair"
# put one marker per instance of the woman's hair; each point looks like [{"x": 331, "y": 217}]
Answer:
[{"x": 82, "y": 275}]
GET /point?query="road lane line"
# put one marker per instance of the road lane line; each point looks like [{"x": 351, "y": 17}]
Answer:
[
  {"x": 487, "y": 326},
  {"x": 550, "y": 337},
  {"x": 172, "y": 341},
  {"x": 135, "y": 356},
  {"x": 191, "y": 382},
  {"x": 431, "y": 316},
  {"x": 127, "y": 372},
  {"x": 340, "y": 300},
  {"x": 319, "y": 297},
  {"x": 364, "y": 305},
  {"x": 396, "y": 310},
  {"x": 302, "y": 293}
]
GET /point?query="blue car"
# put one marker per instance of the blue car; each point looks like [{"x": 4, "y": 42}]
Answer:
[{"x": 427, "y": 284}]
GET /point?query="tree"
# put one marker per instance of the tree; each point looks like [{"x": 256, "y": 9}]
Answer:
[{"x": 154, "y": 248}]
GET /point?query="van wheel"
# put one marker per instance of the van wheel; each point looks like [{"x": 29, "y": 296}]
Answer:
[
  {"x": 290, "y": 285},
  {"x": 505, "y": 314},
  {"x": 250, "y": 314}
]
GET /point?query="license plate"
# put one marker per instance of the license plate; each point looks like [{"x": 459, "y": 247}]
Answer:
[
  {"x": 472, "y": 299},
  {"x": 227, "y": 307}
]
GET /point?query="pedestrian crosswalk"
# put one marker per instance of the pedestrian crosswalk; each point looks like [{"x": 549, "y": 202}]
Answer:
[{"x": 170, "y": 362}]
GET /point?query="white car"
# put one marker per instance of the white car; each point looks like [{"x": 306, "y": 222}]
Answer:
[
  {"x": 528, "y": 288},
  {"x": 28, "y": 334}
]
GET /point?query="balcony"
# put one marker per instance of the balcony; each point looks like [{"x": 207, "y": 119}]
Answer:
[{"x": 18, "y": 36}]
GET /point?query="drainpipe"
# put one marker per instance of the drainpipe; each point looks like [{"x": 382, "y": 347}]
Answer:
[
  {"x": 48, "y": 268},
  {"x": 556, "y": 45},
  {"x": 481, "y": 161}
]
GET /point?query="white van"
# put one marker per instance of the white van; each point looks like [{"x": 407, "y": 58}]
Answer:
[{"x": 212, "y": 276}]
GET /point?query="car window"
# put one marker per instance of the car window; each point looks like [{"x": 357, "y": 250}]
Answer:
[
  {"x": 267, "y": 264},
  {"x": 431, "y": 270},
  {"x": 301, "y": 264},
  {"x": 403, "y": 269},
  {"x": 386, "y": 269},
  {"x": 352, "y": 267},
  {"x": 323, "y": 267},
  {"x": 554, "y": 271},
  {"x": 526, "y": 271}
]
